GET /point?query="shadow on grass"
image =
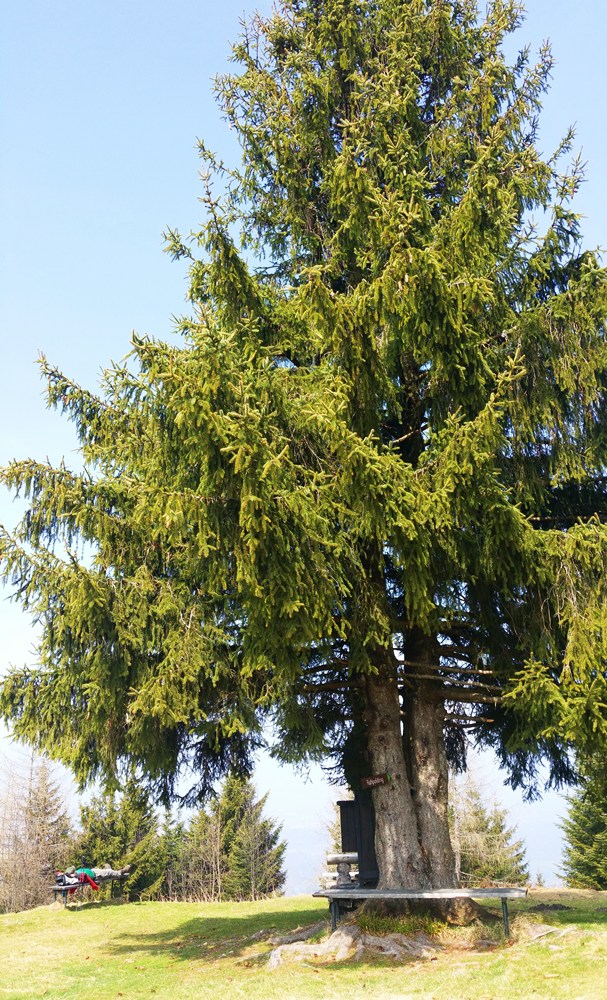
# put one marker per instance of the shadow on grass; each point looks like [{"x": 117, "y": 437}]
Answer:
[
  {"x": 562, "y": 907},
  {"x": 212, "y": 937},
  {"x": 584, "y": 917}
]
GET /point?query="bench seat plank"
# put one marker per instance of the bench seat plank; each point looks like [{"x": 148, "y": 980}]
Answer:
[
  {"x": 337, "y": 896},
  {"x": 354, "y": 893},
  {"x": 65, "y": 890}
]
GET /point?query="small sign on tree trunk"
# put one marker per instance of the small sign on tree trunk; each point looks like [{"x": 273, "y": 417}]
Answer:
[{"x": 374, "y": 781}]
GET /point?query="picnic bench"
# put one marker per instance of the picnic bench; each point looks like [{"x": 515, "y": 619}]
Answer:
[
  {"x": 64, "y": 890},
  {"x": 345, "y": 898}
]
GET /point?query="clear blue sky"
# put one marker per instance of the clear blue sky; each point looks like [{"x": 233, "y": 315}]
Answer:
[{"x": 102, "y": 104}]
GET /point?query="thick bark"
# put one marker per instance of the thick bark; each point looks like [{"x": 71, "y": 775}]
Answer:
[
  {"x": 412, "y": 841},
  {"x": 397, "y": 845},
  {"x": 428, "y": 768}
]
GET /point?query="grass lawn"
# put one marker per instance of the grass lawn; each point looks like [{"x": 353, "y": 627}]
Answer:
[{"x": 171, "y": 951}]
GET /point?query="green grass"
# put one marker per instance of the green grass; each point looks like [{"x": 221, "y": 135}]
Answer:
[{"x": 182, "y": 950}]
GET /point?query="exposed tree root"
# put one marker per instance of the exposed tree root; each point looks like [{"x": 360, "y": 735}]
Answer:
[
  {"x": 350, "y": 943},
  {"x": 300, "y": 934}
]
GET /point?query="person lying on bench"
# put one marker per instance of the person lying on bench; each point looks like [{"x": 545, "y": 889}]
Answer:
[
  {"x": 104, "y": 872},
  {"x": 92, "y": 876},
  {"x": 73, "y": 878}
]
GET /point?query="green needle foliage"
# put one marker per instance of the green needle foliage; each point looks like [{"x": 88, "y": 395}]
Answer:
[
  {"x": 585, "y": 829},
  {"x": 368, "y": 488}
]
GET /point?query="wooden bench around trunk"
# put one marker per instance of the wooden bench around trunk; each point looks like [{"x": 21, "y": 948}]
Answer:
[{"x": 337, "y": 897}]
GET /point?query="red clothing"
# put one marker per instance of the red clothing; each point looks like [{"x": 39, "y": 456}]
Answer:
[{"x": 84, "y": 879}]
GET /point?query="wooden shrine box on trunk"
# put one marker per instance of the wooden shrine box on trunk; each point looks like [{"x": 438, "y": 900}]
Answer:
[{"x": 357, "y": 821}]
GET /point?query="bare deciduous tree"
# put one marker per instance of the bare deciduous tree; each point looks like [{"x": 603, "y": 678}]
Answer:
[{"x": 36, "y": 836}]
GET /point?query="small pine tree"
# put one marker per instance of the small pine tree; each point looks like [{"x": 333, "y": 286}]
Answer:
[
  {"x": 172, "y": 836},
  {"x": 233, "y": 851},
  {"x": 486, "y": 853},
  {"x": 230, "y": 808},
  {"x": 47, "y": 826},
  {"x": 256, "y": 855},
  {"x": 585, "y": 828}
]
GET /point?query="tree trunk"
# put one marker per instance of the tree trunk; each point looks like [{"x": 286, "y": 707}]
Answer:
[
  {"x": 412, "y": 841},
  {"x": 397, "y": 844},
  {"x": 427, "y": 765}
]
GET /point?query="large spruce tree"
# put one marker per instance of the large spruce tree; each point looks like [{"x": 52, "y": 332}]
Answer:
[{"x": 364, "y": 500}]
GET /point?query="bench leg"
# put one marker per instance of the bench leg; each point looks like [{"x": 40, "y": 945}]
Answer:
[
  {"x": 335, "y": 914},
  {"x": 505, "y": 916}
]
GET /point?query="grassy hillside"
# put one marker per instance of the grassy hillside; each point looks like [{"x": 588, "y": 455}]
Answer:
[{"x": 178, "y": 950}]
